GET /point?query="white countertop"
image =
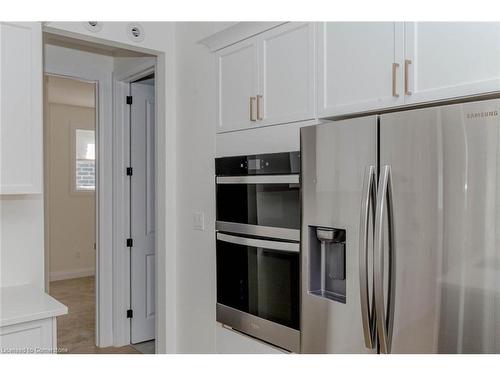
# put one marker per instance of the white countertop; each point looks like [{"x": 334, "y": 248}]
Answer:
[{"x": 24, "y": 303}]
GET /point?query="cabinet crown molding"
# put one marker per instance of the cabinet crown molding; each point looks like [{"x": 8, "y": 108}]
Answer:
[{"x": 237, "y": 33}]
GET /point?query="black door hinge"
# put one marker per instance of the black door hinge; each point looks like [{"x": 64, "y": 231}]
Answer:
[
  {"x": 130, "y": 313},
  {"x": 130, "y": 242},
  {"x": 130, "y": 171},
  {"x": 129, "y": 99}
]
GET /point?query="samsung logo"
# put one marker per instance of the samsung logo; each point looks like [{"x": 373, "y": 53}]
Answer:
[{"x": 482, "y": 114}]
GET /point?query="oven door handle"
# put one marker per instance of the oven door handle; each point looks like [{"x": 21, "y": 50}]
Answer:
[
  {"x": 266, "y": 179},
  {"x": 289, "y": 247}
]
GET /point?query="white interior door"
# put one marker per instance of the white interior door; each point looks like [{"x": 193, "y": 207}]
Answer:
[{"x": 142, "y": 207}]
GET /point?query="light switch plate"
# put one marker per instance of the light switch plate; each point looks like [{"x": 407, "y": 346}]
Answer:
[{"x": 199, "y": 221}]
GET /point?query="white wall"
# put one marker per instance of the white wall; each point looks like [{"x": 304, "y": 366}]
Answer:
[
  {"x": 59, "y": 58},
  {"x": 124, "y": 64},
  {"x": 195, "y": 180},
  {"x": 198, "y": 331}
]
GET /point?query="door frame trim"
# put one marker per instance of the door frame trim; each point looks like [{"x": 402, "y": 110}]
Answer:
[{"x": 103, "y": 308}]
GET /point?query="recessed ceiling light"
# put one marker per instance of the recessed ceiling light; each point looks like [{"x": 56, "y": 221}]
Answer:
[
  {"x": 93, "y": 26},
  {"x": 135, "y": 32}
]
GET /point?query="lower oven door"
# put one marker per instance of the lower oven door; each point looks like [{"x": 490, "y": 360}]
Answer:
[{"x": 258, "y": 288}]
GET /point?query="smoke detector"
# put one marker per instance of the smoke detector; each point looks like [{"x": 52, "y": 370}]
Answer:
[
  {"x": 93, "y": 26},
  {"x": 135, "y": 32}
]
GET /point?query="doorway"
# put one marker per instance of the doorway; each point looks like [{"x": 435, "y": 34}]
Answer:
[
  {"x": 108, "y": 288},
  {"x": 70, "y": 178}
]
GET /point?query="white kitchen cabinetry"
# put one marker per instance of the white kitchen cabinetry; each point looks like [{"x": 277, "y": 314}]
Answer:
[
  {"x": 359, "y": 66},
  {"x": 21, "y": 108},
  {"x": 286, "y": 84},
  {"x": 369, "y": 66},
  {"x": 28, "y": 320},
  {"x": 237, "y": 85},
  {"x": 35, "y": 337},
  {"x": 451, "y": 59},
  {"x": 267, "y": 79}
]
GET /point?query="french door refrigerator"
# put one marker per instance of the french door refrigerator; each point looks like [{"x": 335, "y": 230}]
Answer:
[{"x": 401, "y": 232}]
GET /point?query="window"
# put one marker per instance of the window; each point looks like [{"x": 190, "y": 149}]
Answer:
[{"x": 85, "y": 160}]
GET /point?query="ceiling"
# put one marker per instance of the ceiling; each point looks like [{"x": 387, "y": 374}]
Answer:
[{"x": 83, "y": 45}]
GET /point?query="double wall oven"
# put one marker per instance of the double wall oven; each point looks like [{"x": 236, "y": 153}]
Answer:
[{"x": 258, "y": 233}]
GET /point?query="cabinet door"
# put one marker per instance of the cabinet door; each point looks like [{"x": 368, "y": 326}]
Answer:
[
  {"x": 451, "y": 59},
  {"x": 21, "y": 108},
  {"x": 355, "y": 66},
  {"x": 286, "y": 74},
  {"x": 236, "y": 85},
  {"x": 34, "y": 337}
]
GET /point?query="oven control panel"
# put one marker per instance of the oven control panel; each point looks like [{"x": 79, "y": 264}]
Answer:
[{"x": 279, "y": 163}]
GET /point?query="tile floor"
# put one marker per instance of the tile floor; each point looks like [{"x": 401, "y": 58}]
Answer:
[
  {"x": 75, "y": 331},
  {"x": 147, "y": 347}
]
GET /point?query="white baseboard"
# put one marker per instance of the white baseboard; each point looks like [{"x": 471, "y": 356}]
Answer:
[{"x": 73, "y": 274}]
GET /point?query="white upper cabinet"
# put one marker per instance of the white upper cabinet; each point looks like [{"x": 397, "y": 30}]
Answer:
[
  {"x": 451, "y": 59},
  {"x": 365, "y": 66},
  {"x": 286, "y": 84},
  {"x": 267, "y": 79},
  {"x": 359, "y": 66},
  {"x": 237, "y": 86},
  {"x": 21, "y": 97}
]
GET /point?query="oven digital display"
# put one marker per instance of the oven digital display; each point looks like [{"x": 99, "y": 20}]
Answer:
[{"x": 253, "y": 164}]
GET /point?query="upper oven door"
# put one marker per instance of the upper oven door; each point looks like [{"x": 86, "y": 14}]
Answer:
[{"x": 266, "y": 205}]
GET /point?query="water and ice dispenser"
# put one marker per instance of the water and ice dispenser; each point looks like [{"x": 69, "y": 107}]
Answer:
[{"x": 327, "y": 263}]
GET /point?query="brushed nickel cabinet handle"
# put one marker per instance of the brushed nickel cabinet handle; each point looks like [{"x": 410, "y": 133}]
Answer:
[
  {"x": 395, "y": 67},
  {"x": 407, "y": 77},
  {"x": 252, "y": 101},
  {"x": 259, "y": 107}
]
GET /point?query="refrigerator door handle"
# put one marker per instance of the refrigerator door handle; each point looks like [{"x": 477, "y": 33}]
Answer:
[
  {"x": 384, "y": 315},
  {"x": 368, "y": 201}
]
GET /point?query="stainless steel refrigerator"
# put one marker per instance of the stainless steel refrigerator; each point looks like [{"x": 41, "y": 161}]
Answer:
[{"x": 401, "y": 232}]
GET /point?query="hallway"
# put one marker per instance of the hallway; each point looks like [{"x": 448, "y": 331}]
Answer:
[{"x": 75, "y": 331}]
